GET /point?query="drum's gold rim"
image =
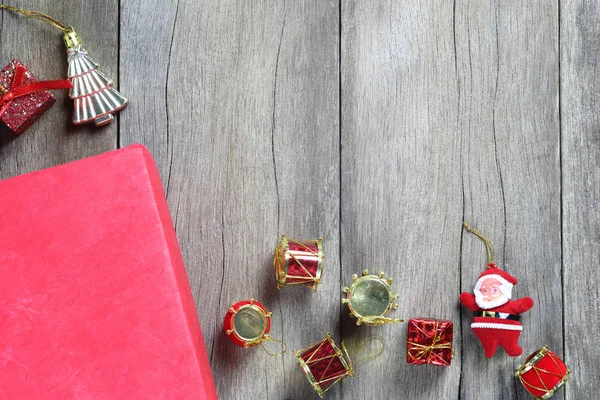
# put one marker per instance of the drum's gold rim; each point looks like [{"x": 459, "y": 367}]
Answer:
[
  {"x": 556, "y": 387},
  {"x": 280, "y": 262},
  {"x": 320, "y": 265},
  {"x": 258, "y": 339},
  {"x": 532, "y": 360},
  {"x": 343, "y": 356},
  {"x": 363, "y": 279}
]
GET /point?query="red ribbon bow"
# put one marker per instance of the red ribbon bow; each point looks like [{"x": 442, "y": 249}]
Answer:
[{"x": 18, "y": 89}]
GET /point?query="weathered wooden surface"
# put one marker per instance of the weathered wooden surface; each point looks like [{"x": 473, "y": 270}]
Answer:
[
  {"x": 401, "y": 182},
  {"x": 580, "y": 88},
  {"x": 377, "y": 125}
]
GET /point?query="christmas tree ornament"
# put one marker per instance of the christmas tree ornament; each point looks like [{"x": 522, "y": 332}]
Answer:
[
  {"x": 299, "y": 262},
  {"x": 370, "y": 299},
  {"x": 24, "y": 98},
  {"x": 324, "y": 364},
  {"x": 496, "y": 320},
  {"x": 543, "y": 373},
  {"x": 95, "y": 99},
  {"x": 429, "y": 341},
  {"x": 248, "y": 323}
]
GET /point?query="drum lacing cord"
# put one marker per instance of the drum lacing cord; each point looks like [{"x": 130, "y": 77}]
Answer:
[{"x": 489, "y": 247}]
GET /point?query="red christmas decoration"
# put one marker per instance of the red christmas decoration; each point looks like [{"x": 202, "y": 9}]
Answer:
[
  {"x": 496, "y": 320},
  {"x": 543, "y": 373},
  {"x": 299, "y": 262},
  {"x": 24, "y": 98},
  {"x": 429, "y": 341},
  {"x": 247, "y": 323},
  {"x": 324, "y": 364}
]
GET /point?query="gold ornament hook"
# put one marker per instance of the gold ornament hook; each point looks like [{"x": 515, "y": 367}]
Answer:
[
  {"x": 36, "y": 15},
  {"x": 270, "y": 339},
  {"x": 372, "y": 356},
  {"x": 489, "y": 247},
  {"x": 71, "y": 38}
]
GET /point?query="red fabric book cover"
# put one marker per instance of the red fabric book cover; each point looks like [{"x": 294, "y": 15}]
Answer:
[{"x": 95, "y": 301}]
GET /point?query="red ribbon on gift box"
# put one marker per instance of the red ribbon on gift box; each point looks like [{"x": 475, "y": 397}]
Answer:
[{"x": 18, "y": 89}]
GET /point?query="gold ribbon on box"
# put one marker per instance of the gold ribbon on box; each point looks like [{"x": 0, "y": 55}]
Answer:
[{"x": 423, "y": 349}]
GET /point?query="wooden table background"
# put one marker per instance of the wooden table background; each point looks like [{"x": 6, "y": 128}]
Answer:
[{"x": 378, "y": 125}]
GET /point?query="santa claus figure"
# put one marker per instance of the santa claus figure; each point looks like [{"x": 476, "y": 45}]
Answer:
[{"x": 496, "y": 320}]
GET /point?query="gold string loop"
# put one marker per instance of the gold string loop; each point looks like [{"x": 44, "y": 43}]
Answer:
[
  {"x": 270, "y": 339},
  {"x": 36, "y": 15},
  {"x": 369, "y": 339},
  {"x": 489, "y": 247}
]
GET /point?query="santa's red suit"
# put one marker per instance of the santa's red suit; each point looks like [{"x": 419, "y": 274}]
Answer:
[{"x": 496, "y": 321}]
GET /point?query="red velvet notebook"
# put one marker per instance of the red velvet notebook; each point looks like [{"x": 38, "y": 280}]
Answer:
[{"x": 95, "y": 302}]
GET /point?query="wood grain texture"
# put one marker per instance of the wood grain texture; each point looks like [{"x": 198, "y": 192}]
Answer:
[
  {"x": 377, "y": 125},
  {"x": 53, "y": 139},
  {"x": 401, "y": 181},
  {"x": 507, "y": 62},
  {"x": 581, "y": 192},
  {"x": 239, "y": 103}
]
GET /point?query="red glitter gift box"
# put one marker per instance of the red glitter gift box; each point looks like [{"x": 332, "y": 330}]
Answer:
[
  {"x": 23, "y": 110},
  {"x": 429, "y": 341}
]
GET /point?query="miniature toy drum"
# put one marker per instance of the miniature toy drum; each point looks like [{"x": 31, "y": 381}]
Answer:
[
  {"x": 543, "y": 373},
  {"x": 370, "y": 299},
  {"x": 299, "y": 262},
  {"x": 324, "y": 364},
  {"x": 247, "y": 323}
]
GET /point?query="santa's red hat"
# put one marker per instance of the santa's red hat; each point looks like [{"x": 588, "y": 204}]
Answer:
[{"x": 499, "y": 274}]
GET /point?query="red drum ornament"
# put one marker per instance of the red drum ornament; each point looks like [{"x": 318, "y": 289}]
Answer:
[
  {"x": 299, "y": 262},
  {"x": 248, "y": 323},
  {"x": 543, "y": 373},
  {"x": 324, "y": 364},
  {"x": 370, "y": 299}
]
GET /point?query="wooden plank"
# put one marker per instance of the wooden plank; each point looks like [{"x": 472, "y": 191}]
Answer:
[
  {"x": 507, "y": 62},
  {"x": 581, "y": 190},
  {"x": 53, "y": 139},
  {"x": 239, "y": 102},
  {"x": 401, "y": 181},
  {"x": 436, "y": 131}
]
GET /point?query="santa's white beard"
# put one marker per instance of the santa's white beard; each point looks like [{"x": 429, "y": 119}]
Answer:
[{"x": 486, "y": 305}]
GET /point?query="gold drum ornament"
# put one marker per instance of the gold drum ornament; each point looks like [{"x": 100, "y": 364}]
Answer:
[{"x": 370, "y": 299}]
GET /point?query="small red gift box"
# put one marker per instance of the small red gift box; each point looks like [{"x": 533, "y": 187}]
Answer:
[
  {"x": 429, "y": 341},
  {"x": 18, "y": 110}
]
